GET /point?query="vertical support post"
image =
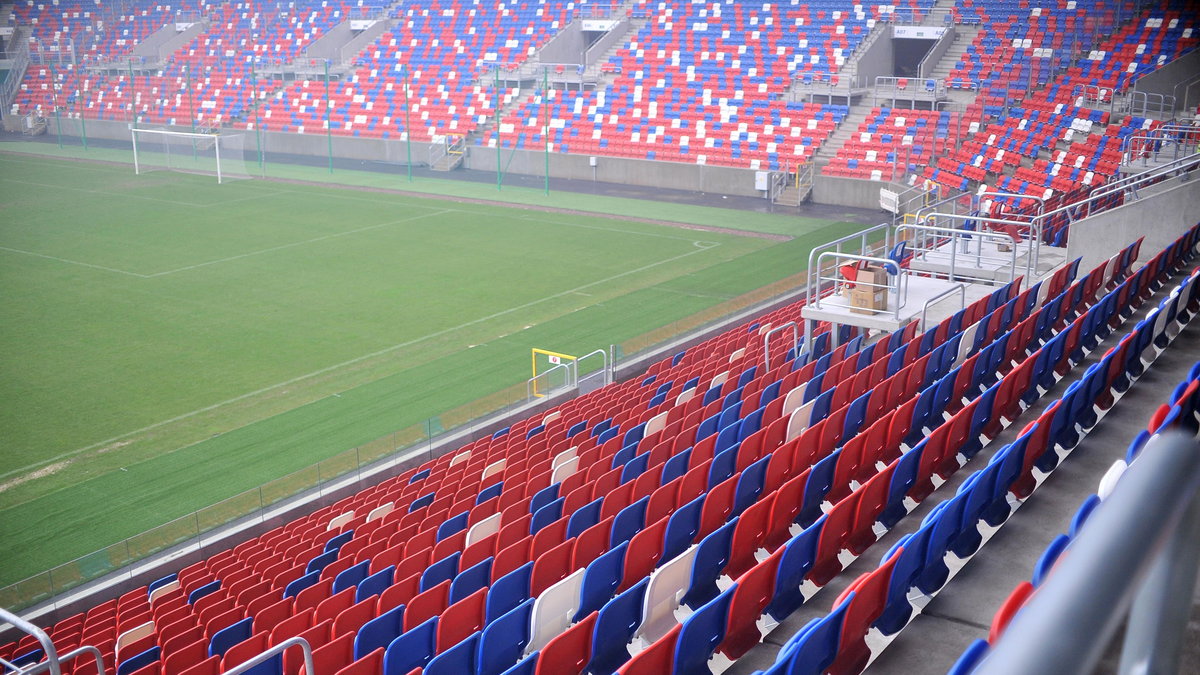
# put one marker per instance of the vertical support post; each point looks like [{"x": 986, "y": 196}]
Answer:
[
  {"x": 328, "y": 123},
  {"x": 57, "y": 117},
  {"x": 257, "y": 123},
  {"x": 191, "y": 99},
  {"x": 496, "y": 125},
  {"x": 217, "y": 147},
  {"x": 132, "y": 102},
  {"x": 546, "y": 122},
  {"x": 407, "y": 125},
  {"x": 82, "y": 122},
  {"x": 136, "y": 168}
]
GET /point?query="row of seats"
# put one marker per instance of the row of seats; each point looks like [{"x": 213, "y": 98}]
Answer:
[
  {"x": 286, "y": 577},
  {"x": 894, "y": 140},
  {"x": 1182, "y": 413},
  {"x": 877, "y": 605}
]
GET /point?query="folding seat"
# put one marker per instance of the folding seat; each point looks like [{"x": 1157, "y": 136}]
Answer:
[
  {"x": 814, "y": 647},
  {"x": 755, "y": 590},
  {"x": 179, "y": 659},
  {"x": 592, "y": 542},
  {"x": 570, "y": 651},
  {"x": 834, "y": 538},
  {"x": 903, "y": 478},
  {"x": 461, "y": 619},
  {"x": 1009, "y": 609},
  {"x": 426, "y": 604},
  {"x": 682, "y": 527},
  {"x": 616, "y": 624},
  {"x": 820, "y": 480},
  {"x": 709, "y": 562},
  {"x": 656, "y": 659},
  {"x": 412, "y": 649},
  {"x": 504, "y": 639},
  {"x": 701, "y": 633},
  {"x": 865, "y": 600}
]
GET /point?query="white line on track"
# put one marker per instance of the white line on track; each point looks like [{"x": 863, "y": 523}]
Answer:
[{"x": 698, "y": 247}]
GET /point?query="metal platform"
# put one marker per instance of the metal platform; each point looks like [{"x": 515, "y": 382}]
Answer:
[
  {"x": 979, "y": 259},
  {"x": 927, "y": 299}
]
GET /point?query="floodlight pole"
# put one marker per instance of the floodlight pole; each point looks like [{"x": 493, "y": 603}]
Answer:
[
  {"x": 407, "y": 125},
  {"x": 546, "y": 122},
  {"x": 82, "y": 121},
  {"x": 257, "y": 120},
  {"x": 497, "y": 125},
  {"x": 57, "y": 117},
  {"x": 132, "y": 103},
  {"x": 191, "y": 98},
  {"x": 328, "y": 123}
]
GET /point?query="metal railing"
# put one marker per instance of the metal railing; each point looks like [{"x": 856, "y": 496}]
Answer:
[
  {"x": 767, "y": 341},
  {"x": 1178, "y": 140},
  {"x": 911, "y": 89},
  {"x": 12, "y": 83},
  {"x": 896, "y": 285},
  {"x": 53, "y": 661},
  {"x": 928, "y": 244},
  {"x": 1135, "y": 556},
  {"x": 1145, "y": 103},
  {"x": 276, "y": 651},
  {"x": 962, "y": 303}
]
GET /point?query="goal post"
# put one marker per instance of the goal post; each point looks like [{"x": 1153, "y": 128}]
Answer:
[
  {"x": 220, "y": 155},
  {"x": 551, "y": 371}
]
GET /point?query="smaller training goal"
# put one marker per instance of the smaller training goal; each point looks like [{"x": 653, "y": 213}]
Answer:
[{"x": 220, "y": 155}]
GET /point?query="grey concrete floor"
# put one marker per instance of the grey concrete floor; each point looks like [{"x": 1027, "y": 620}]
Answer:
[{"x": 963, "y": 610}]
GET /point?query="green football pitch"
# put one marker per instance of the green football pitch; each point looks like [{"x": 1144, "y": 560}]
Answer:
[{"x": 169, "y": 342}]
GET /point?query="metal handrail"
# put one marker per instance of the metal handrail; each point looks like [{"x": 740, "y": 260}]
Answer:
[
  {"x": 280, "y": 648},
  {"x": 962, "y": 301},
  {"x": 886, "y": 263},
  {"x": 767, "y": 336},
  {"x": 1126, "y": 554},
  {"x": 955, "y": 235},
  {"x": 529, "y": 384},
  {"x": 53, "y": 662},
  {"x": 1035, "y": 226},
  {"x": 863, "y": 236},
  {"x": 604, "y": 364}
]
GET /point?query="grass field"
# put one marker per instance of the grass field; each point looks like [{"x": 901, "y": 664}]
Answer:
[{"x": 169, "y": 342}]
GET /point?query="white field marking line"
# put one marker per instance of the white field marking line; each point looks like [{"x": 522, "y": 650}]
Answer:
[
  {"x": 613, "y": 229},
  {"x": 699, "y": 248},
  {"x": 121, "y": 195},
  {"x": 483, "y": 210},
  {"x": 74, "y": 262},
  {"x": 293, "y": 244}
]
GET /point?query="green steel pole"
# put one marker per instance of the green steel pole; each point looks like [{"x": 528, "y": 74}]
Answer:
[
  {"x": 499, "y": 146},
  {"x": 57, "y": 117},
  {"x": 257, "y": 121},
  {"x": 191, "y": 99},
  {"x": 328, "y": 123},
  {"x": 546, "y": 123},
  {"x": 407, "y": 126},
  {"x": 82, "y": 121},
  {"x": 132, "y": 103}
]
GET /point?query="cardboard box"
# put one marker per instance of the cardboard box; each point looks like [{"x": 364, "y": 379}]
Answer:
[
  {"x": 874, "y": 274},
  {"x": 866, "y": 300}
]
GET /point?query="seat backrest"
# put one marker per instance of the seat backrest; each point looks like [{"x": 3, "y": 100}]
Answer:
[
  {"x": 504, "y": 639},
  {"x": 412, "y": 649},
  {"x": 700, "y": 634},
  {"x": 616, "y": 624}
]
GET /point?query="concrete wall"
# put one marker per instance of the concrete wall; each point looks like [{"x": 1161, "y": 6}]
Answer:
[
  {"x": 1165, "y": 79},
  {"x": 1162, "y": 214},
  {"x": 638, "y": 172},
  {"x": 877, "y": 60},
  {"x": 852, "y": 192},
  {"x": 939, "y": 50},
  {"x": 329, "y": 45},
  {"x": 566, "y": 47},
  {"x": 148, "y": 47},
  {"x": 610, "y": 38},
  {"x": 364, "y": 39},
  {"x": 645, "y": 173}
]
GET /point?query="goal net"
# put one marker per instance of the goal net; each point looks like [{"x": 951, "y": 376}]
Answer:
[{"x": 220, "y": 155}]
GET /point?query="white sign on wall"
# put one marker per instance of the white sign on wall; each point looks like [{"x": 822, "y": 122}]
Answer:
[
  {"x": 889, "y": 200},
  {"x": 598, "y": 25},
  {"x": 918, "y": 32}
]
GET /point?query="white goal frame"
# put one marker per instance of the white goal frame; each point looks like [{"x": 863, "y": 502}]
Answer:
[{"x": 215, "y": 138}]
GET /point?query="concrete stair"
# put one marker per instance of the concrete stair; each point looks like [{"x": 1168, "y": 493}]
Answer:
[
  {"x": 964, "y": 36},
  {"x": 847, "y": 128}
]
